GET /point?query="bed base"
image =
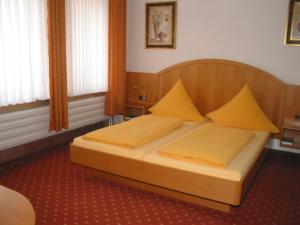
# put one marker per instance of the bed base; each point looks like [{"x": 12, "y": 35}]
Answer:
[
  {"x": 165, "y": 192},
  {"x": 199, "y": 189}
]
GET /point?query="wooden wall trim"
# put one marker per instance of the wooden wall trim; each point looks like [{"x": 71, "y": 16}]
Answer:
[
  {"x": 224, "y": 62},
  {"x": 67, "y": 137}
]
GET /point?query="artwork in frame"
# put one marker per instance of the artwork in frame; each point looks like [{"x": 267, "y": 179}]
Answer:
[
  {"x": 293, "y": 26},
  {"x": 161, "y": 24}
]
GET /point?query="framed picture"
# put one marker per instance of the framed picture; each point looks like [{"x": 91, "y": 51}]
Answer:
[
  {"x": 161, "y": 24},
  {"x": 293, "y": 26}
]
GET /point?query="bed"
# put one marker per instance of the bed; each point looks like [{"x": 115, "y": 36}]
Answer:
[
  {"x": 139, "y": 152},
  {"x": 210, "y": 84}
]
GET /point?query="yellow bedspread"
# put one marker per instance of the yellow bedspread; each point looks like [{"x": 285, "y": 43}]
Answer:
[
  {"x": 135, "y": 132},
  {"x": 210, "y": 144}
]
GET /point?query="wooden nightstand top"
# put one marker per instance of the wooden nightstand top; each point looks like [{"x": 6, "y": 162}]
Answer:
[
  {"x": 137, "y": 105},
  {"x": 132, "y": 110},
  {"x": 291, "y": 123}
]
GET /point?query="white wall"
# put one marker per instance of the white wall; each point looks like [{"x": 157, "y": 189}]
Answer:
[{"x": 249, "y": 31}]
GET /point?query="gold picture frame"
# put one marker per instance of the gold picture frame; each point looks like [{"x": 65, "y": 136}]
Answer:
[
  {"x": 293, "y": 25},
  {"x": 161, "y": 24}
]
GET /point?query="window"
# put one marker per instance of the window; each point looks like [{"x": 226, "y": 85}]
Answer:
[
  {"x": 24, "y": 66},
  {"x": 87, "y": 46}
]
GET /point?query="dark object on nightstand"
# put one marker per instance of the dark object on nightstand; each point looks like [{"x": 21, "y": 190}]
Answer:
[
  {"x": 143, "y": 98},
  {"x": 297, "y": 117}
]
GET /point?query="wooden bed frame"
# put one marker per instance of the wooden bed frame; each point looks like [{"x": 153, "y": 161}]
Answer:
[{"x": 210, "y": 83}]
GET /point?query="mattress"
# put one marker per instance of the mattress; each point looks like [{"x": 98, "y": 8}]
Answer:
[
  {"x": 139, "y": 152},
  {"x": 236, "y": 170}
]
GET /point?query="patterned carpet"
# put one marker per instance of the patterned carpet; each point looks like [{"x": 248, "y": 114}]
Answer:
[{"x": 67, "y": 194}]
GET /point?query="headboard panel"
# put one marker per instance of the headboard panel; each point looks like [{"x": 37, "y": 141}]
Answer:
[{"x": 212, "y": 82}]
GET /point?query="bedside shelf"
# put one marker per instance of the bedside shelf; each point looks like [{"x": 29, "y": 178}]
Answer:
[
  {"x": 132, "y": 110},
  {"x": 290, "y": 133}
]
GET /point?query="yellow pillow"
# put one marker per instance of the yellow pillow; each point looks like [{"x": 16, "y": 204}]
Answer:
[
  {"x": 177, "y": 103},
  {"x": 242, "y": 111}
]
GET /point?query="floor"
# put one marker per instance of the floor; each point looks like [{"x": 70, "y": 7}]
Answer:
[{"x": 67, "y": 194}]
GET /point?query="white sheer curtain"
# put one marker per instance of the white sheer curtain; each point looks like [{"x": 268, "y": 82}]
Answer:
[
  {"x": 24, "y": 75},
  {"x": 87, "y": 46}
]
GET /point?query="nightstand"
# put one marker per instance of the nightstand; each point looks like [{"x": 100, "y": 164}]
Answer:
[
  {"x": 290, "y": 133},
  {"x": 132, "y": 110}
]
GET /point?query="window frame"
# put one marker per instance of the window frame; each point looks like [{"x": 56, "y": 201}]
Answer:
[{"x": 41, "y": 103}]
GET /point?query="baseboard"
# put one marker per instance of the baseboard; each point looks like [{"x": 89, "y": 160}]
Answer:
[
  {"x": 66, "y": 137},
  {"x": 275, "y": 145}
]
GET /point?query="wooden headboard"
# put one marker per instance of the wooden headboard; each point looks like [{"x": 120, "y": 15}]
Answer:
[{"x": 213, "y": 82}]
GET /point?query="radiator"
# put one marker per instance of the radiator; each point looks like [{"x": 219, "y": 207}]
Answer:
[{"x": 24, "y": 126}]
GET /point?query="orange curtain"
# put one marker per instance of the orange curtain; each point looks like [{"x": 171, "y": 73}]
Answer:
[
  {"x": 57, "y": 65},
  {"x": 115, "y": 97}
]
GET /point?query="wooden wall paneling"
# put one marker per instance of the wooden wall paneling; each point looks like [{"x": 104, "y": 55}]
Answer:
[
  {"x": 189, "y": 77},
  {"x": 225, "y": 87},
  {"x": 212, "y": 83},
  {"x": 166, "y": 82},
  {"x": 138, "y": 84},
  {"x": 205, "y": 85},
  {"x": 292, "y": 102}
]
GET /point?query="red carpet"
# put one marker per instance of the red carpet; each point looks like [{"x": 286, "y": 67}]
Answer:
[{"x": 67, "y": 194}]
